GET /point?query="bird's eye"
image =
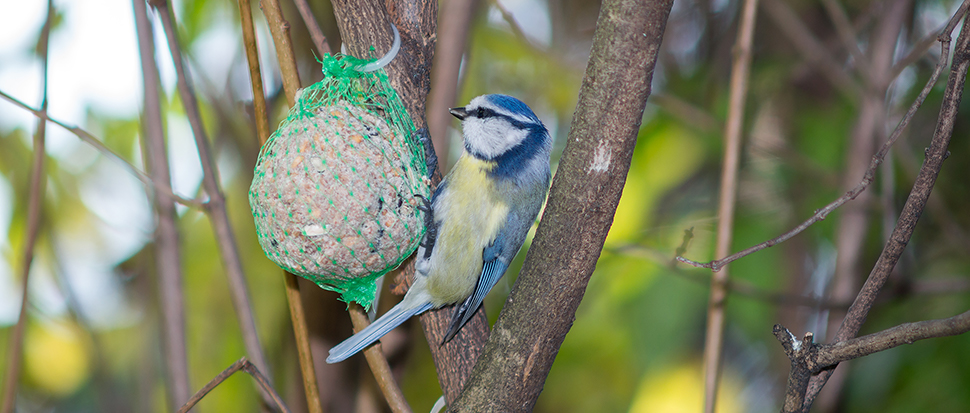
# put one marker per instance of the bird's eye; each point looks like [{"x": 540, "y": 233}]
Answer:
[{"x": 480, "y": 113}]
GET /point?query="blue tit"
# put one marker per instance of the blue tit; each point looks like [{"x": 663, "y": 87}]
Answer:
[{"x": 478, "y": 217}]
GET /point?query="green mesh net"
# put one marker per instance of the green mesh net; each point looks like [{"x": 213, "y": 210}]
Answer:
[{"x": 334, "y": 192}]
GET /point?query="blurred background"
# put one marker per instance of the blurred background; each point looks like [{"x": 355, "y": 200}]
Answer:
[{"x": 827, "y": 86}]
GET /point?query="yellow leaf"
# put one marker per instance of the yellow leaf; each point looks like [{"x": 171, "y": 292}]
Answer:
[
  {"x": 680, "y": 389},
  {"x": 56, "y": 357}
]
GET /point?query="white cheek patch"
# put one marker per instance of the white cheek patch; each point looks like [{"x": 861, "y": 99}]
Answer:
[{"x": 491, "y": 137}]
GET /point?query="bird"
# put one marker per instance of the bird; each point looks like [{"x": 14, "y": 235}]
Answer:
[{"x": 477, "y": 218}]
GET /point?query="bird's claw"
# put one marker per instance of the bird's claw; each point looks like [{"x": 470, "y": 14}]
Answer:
[
  {"x": 432, "y": 229},
  {"x": 431, "y": 158}
]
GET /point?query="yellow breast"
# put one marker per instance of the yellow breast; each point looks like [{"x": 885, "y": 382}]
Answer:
[{"x": 471, "y": 214}]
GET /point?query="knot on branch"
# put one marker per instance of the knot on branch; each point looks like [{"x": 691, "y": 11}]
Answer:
[{"x": 802, "y": 353}]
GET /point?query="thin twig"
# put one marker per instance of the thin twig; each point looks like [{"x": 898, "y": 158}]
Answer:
[
  {"x": 168, "y": 260},
  {"x": 915, "y": 203},
  {"x": 291, "y": 83},
  {"x": 748, "y": 290},
  {"x": 306, "y": 13},
  {"x": 217, "y": 204},
  {"x": 868, "y": 130},
  {"x": 455, "y": 24},
  {"x": 740, "y": 72},
  {"x": 302, "y": 337},
  {"x": 908, "y": 333},
  {"x": 514, "y": 25},
  {"x": 38, "y": 185},
  {"x": 920, "y": 48},
  {"x": 814, "y": 51},
  {"x": 279, "y": 29},
  {"x": 687, "y": 113},
  {"x": 867, "y": 179},
  {"x": 846, "y": 33},
  {"x": 378, "y": 364},
  {"x": 255, "y": 75},
  {"x": 90, "y": 139},
  {"x": 808, "y": 358},
  {"x": 245, "y": 366}
]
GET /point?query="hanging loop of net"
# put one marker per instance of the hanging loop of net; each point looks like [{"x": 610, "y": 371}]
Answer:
[
  {"x": 383, "y": 61},
  {"x": 336, "y": 188}
]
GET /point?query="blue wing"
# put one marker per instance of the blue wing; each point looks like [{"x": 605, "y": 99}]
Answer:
[{"x": 491, "y": 272}]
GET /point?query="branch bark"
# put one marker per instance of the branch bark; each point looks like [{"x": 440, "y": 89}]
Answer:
[
  {"x": 37, "y": 188},
  {"x": 245, "y": 366},
  {"x": 911, "y": 211},
  {"x": 365, "y": 23},
  {"x": 740, "y": 70},
  {"x": 168, "y": 261},
  {"x": 453, "y": 29},
  {"x": 542, "y": 306},
  {"x": 808, "y": 358},
  {"x": 279, "y": 30},
  {"x": 228, "y": 250}
]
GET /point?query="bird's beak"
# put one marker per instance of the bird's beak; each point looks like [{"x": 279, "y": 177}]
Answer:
[{"x": 458, "y": 112}]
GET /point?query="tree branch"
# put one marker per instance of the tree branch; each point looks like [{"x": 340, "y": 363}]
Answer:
[
  {"x": 245, "y": 366},
  {"x": 727, "y": 199},
  {"x": 455, "y": 23},
  {"x": 168, "y": 261},
  {"x": 90, "y": 139},
  {"x": 868, "y": 177},
  {"x": 915, "y": 203},
  {"x": 38, "y": 186},
  {"x": 217, "y": 204},
  {"x": 380, "y": 367},
  {"x": 814, "y": 51},
  {"x": 832, "y": 354},
  {"x": 582, "y": 201},
  {"x": 279, "y": 30},
  {"x": 306, "y": 13},
  {"x": 808, "y": 358}
]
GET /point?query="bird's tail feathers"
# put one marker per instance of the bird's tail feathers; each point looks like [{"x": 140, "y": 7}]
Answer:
[{"x": 393, "y": 318}]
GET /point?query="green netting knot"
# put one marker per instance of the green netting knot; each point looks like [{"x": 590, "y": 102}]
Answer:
[{"x": 335, "y": 189}]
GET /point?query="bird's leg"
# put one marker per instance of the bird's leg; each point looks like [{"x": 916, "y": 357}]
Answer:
[
  {"x": 431, "y": 159},
  {"x": 432, "y": 228}
]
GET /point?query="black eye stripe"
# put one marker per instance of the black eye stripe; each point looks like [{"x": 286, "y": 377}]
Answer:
[{"x": 483, "y": 113}]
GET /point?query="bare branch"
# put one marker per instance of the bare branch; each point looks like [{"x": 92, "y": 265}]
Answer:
[
  {"x": 378, "y": 365},
  {"x": 217, "y": 210},
  {"x": 814, "y": 52},
  {"x": 255, "y": 77},
  {"x": 867, "y": 179},
  {"x": 38, "y": 186},
  {"x": 582, "y": 201},
  {"x": 454, "y": 26},
  {"x": 808, "y": 358},
  {"x": 90, "y": 139},
  {"x": 245, "y": 366},
  {"x": 847, "y": 34},
  {"x": 727, "y": 200},
  {"x": 799, "y": 352},
  {"x": 168, "y": 261},
  {"x": 306, "y": 13},
  {"x": 915, "y": 203},
  {"x": 514, "y": 25},
  {"x": 291, "y": 82},
  {"x": 279, "y": 28},
  {"x": 832, "y": 354}
]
